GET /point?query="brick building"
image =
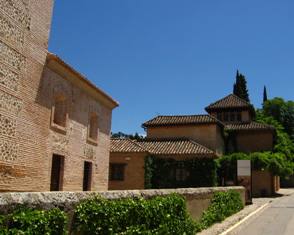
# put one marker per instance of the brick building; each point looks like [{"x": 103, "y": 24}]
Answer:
[
  {"x": 174, "y": 136},
  {"x": 55, "y": 124}
]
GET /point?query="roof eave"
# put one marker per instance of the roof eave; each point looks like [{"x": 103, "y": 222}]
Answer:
[{"x": 51, "y": 58}]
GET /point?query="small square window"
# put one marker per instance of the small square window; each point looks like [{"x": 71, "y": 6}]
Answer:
[{"x": 117, "y": 171}]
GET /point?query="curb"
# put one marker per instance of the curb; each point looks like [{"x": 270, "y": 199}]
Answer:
[{"x": 245, "y": 219}]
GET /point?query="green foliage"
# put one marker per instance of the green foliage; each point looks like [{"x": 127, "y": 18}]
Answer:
[
  {"x": 34, "y": 222},
  {"x": 148, "y": 167},
  {"x": 240, "y": 87},
  {"x": 159, "y": 215},
  {"x": 283, "y": 142},
  {"x": 277, "y": 163},
  {"x": 199, "y": 173},
  {"x": 122, "y": 135},
  {"x": 223, "y": 204},
  {"x": 282, "y": 111}
]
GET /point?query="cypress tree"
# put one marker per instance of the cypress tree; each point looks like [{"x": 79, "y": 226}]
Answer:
[
  {"x": 240, "y": 87},
  {"x": 264, "y": 94}
]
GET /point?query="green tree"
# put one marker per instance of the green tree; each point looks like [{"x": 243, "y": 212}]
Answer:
[
  {"x": 282, "y": 111},
  {"x": 122, "y": 135},
  {"x": 240, "y": 87}
]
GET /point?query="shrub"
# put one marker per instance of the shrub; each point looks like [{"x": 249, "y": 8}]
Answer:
[
  {"x": 159, "y": 215},
  {"x": 34, "y": 222},
  {"x": 223, "y": 204}
]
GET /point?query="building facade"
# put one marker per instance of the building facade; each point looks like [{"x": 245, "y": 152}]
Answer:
[
  {"x": 55, "y": 124},
  {"x": 228, "y": 127}
]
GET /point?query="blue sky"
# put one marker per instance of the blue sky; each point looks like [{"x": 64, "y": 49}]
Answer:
[{"x": 163, "y": 57}]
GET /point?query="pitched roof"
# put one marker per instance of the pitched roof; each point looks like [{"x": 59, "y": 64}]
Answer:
[
  {"x": 161, "y": 147},
  {"x": 125, "y": 146},
  {"x": 176, "y": 147},
  {"x": 249, "y": 126},
  {"x": 230, "y": 101},
  {"x": 181, "y": 120}
]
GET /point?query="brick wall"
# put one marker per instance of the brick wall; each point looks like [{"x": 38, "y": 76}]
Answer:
[
  {"x": 27, "y": 86},
  {"x": 24, "y": 34},
  {"x": 134, "y": 176},
  {"x": 254, "y": 141}
]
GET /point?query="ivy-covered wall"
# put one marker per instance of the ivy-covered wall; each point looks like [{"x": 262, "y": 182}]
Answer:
[{"x": 171, "y": 173}]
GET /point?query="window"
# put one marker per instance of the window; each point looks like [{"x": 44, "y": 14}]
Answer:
[
  {"x": 219, "y": 116},
  {"x": 232, "y": 117},
  {"x": 57, "y": 173},
  {"x": 117, "y": 171},
  {"x": 93, "y": 127},
  {"x": 59, "y": 111},
  {"x": 226, "y": 117},
  {"x": 239, "y": 117},
  {"x": 87, "y": 180},
  {"x": 181, "y": 174}
]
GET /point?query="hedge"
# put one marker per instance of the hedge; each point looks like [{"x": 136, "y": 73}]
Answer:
[
  {"x": 34, "y": 222},
  {"x": 159, "y": 215},
  {"x": 223, "y": 205}
]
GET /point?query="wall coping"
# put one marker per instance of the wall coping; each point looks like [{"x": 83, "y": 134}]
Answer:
[{"x": 67, "y": 200}]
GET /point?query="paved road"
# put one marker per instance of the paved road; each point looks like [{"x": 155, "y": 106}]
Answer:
[{"x": 277, "y": 219}]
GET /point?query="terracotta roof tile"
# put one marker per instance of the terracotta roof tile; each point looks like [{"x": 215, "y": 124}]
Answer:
[
  {"x": 230, "y": 101},
  {"x": 176, "y": 147},
  {"x": 249, "y": 126},
  {"x": 125, "y": 146},
  {"x": 161, "y": 147},
  {"x": 180, "y": 120}
]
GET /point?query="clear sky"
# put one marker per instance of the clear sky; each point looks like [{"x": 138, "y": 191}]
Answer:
[{"x": 176, "y": 56}]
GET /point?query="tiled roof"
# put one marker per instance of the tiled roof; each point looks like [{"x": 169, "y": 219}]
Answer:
[
  {"x": 176, "y": 147},
  {"x": 125, "y": 146},
  {"x": 249, "y": 126},
  {"x": 161, "y": 147},
  {"x": 230, "y": 101},
  {"x": 180, "y": 120}
]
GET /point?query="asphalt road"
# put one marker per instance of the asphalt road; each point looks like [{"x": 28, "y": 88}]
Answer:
[{"x": 276, "y": 219}]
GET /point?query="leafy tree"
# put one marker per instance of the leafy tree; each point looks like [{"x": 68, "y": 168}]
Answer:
[
  {"x": 282, "y": 111},
  {"x": 283, "y": 143},
  {"x": 240, "y": 87}
]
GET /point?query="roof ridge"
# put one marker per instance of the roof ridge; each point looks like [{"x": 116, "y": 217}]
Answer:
[{"x": 226, "y": 97}]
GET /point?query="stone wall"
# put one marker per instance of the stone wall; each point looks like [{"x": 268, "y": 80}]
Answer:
[{"x": 198, "y": 199}]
